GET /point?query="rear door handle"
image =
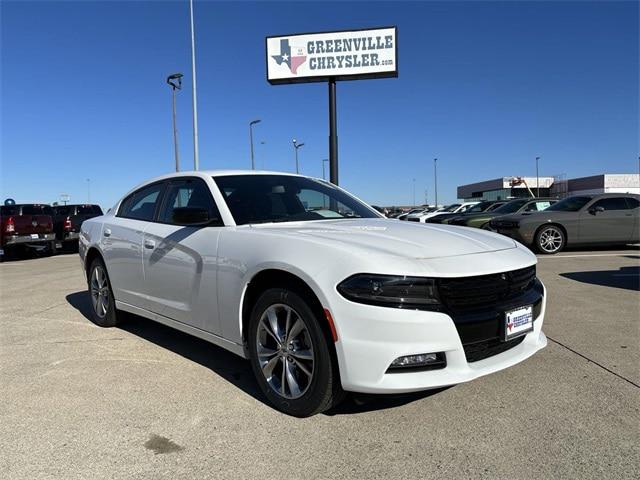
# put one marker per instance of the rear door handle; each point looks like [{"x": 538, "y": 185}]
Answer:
[
  {"x": 150, "y": 244},
  {"x": 107, "y": 232}
]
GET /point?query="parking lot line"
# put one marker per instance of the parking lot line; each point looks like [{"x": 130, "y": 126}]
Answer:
[{"x": 584, "y": 255}]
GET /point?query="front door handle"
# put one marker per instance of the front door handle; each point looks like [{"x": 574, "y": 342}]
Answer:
[
  {"x": 107, "y": 232},
  {"x": 150, "y": 244}
]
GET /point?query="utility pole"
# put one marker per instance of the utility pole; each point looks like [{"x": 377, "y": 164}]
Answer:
[
  {"x": 537, "y": 179},
  {"x": 435, "y": 179},
  {"x": 296, "y": 146},
  {"x": 251, "y": 124},
  {"x": 333, "y": 133},
  {"x": 414, "y": 192},
  {"x": 196, "y": 159},
  {"x": 175, "y": 81}
]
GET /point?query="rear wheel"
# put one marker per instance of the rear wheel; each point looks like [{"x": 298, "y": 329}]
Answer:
[
  {"x": 103, "y": 307},
  {"x": 550, "y": 239},
  {"x": 290, "y": 354}
]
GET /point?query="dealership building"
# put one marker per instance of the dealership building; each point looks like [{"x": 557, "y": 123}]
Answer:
[{"x": 504, "y": 188}]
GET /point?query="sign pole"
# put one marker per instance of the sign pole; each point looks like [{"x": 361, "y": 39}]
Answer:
[{"x": 333, "y": 134}]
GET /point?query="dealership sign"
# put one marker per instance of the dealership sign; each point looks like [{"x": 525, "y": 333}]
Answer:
[{"x": 344, "y": 55}]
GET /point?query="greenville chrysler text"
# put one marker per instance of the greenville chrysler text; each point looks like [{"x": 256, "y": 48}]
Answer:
[{"x": 319, "y": 291}]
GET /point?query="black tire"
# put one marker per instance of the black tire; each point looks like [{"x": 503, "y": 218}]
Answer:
[
  {"x": 323, "y": 390},
  {"x": 110, "y": 317},
  {"x": 550, "y": 239}
]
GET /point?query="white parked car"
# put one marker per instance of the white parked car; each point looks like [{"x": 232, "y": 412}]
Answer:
[
  {"x": 314, "y": 287},
  {"x": 454, "y": 208}
]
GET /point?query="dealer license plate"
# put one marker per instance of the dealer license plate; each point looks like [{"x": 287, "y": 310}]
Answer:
[
  {"x": 518, "y": 321},
  {"x": 34, "y": 236}
]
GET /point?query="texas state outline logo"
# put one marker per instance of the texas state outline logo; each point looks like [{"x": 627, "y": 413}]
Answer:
[{"x": 293, "y": 57}]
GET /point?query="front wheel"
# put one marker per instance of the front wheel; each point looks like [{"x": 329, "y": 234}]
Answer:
[
  {"x": 290, "y": 354},
  {"x": 550, "y": 239},
  {"x": 103, "y": 305}
]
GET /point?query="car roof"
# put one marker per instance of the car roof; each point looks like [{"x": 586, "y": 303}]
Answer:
[
  {"x": 606, "y": 195},
  {"x": 220, "y": 173}
]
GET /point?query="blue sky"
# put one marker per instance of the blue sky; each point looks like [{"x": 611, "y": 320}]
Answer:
[{"x": 484, "y": 86}]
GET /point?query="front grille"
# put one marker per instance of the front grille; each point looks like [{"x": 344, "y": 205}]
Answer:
[
  {"x": 477, "y": 305},
  {"x": 465, "y": 294},
  {"x": 481, "y": 350}
]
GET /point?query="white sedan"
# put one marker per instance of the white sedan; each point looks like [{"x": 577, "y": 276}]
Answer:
[
  {"x": 320, "y": 292},
  {"x": 454, "y": 208}
]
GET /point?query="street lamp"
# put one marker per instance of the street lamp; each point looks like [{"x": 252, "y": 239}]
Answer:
[
  {"x": 435, "y": 179},
  {"x": 251, "y": 124},
  {"x": 175, "y": 81},
  {"x": 414, "y": 192},
  {"x": 296, "y": 146},
  {"x": 324, "y": 160},
  {"x": 537, "y": 179}
]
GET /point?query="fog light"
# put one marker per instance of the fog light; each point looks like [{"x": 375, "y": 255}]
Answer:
[{"x": 421, "y": 361}]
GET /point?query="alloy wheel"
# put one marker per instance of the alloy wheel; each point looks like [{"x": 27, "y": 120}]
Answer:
[
  {"x": 99, "y": 291},
  {"x": 551, "y": 239},
  {"x": 285, "y": 351}
]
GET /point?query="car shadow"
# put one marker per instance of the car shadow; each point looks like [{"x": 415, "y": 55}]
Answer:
[
  {"x": 627, "y": 278},
  {"x": 229, "y": 366},
  {"x": 362, "y": 403}
]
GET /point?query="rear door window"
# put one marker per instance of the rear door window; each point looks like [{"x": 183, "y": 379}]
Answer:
[
  {"x": 141, "y": 205},
  {"x": 633, "y": 202},
  {"x": 614, "y": 203},
  {"x": 192, "y": 192}
]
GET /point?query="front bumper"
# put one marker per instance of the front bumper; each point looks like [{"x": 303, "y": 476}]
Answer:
[
  {"x": 36, "y": 238},
  {"x": 526, "y": 238},
  {"x": 372, "y": 337}
]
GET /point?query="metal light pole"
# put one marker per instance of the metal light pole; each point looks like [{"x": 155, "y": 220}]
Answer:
[
  {"x": 324, "y": 160},
  {"x": 333, "y": 133},
  {"x": 251, "y": 124},
  {"x": 414, "y": 192},
  {"x": 296, "y": 146},
  {"x": 435, "y": 179},
  {"x": 196, "y": 159},
  {"x": 537, "y": 179},
  {"x": 175, "y": 81}
]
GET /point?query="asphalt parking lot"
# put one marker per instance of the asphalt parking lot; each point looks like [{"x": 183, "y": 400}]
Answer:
[{"x": 144, "y": 401}]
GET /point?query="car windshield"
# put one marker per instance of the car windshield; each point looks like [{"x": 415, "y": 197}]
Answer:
[
  {"x": 480, "y": 207},
  {"x": 510, "y": 207},
  {"x": 570, "y": 204},
  {"x": 451, "y": 208},
  {"x": 495, "y": 206},
  {"x": 285, "y": 198}
]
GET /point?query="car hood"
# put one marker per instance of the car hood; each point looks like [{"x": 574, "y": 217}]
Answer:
[{"x": 389, "y": 237}]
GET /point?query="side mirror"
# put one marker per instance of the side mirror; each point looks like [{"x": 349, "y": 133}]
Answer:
[
  {"x": 192, "y": 216},
  {"x": 594, "y": 210}
]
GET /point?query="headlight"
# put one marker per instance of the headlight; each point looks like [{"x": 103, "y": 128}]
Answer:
[{"x": 391, "y": 291}]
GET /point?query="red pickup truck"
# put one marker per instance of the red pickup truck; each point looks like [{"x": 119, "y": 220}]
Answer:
[{"x": 26, "y": 227}]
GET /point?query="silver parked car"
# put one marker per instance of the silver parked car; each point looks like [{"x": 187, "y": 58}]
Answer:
[{"x": 604, "y": 219}]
